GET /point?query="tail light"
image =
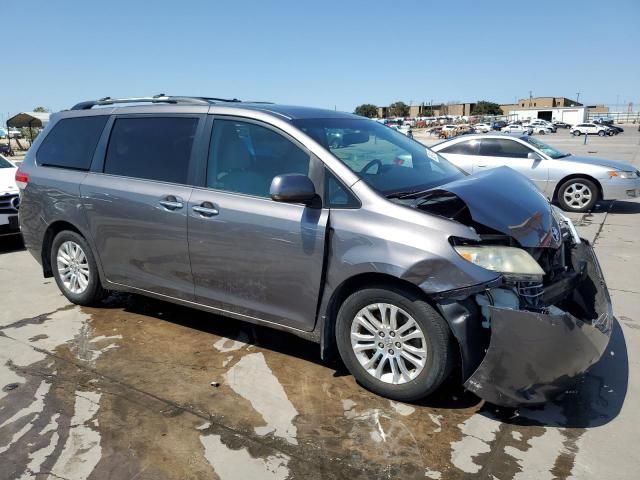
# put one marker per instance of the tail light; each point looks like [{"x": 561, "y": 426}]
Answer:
[{"x": 22, "y": 178}]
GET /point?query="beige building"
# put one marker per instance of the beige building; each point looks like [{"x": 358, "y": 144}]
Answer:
[{"x": 435, "y": 110}]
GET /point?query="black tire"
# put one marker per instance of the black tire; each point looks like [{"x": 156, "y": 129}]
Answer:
[
  {"x": 576, "y": 133},
  {"x": 440, "y": 356},
  {"x": 93, "y": 293},
  {"x": 562, "y": 201},
  {"x": 601, "y": 133}
]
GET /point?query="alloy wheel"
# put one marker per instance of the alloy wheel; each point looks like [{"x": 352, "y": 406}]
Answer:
[
  {"x": 577, "y": 195},
  {"x": 73, "y": 267},
  {"x": 388, "y": 343}
]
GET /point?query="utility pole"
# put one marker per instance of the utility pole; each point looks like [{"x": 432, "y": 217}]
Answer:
[{"x": 578, "y": 97}]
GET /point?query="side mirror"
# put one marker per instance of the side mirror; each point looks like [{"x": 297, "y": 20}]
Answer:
[
  {"x": 292, "y": 188},
  {"x": 534, "y": 156}
]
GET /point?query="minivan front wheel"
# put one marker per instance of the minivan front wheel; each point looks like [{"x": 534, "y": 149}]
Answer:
[
  {"x": 75, "y": 269},
  {"x": 394, "y": 343}
]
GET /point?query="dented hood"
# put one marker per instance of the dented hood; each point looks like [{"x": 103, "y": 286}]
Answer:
[{"x": 506, "y": 201}]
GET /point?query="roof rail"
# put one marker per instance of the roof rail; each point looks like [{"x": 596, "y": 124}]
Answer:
[{"x": 161, "y": 98}]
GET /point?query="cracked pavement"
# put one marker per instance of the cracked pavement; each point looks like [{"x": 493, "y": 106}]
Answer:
[{"x": 148, "y": 390}]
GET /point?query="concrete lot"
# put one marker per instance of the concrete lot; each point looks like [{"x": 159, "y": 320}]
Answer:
[{"x": 125, "y": 391}]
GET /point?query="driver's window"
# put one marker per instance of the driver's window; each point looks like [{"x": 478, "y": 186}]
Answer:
[{"x": 362, "y": 150}]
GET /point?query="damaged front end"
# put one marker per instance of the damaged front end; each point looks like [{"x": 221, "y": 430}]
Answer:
[
  {"x": 535, "y": 351},
  {"x": 549, "y": 318}
]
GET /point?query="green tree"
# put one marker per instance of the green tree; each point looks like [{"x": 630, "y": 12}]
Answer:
[
  {"x": 41, "y": 109},
  {"x": 366, "y": 110},
  {"x": 482, "y": 107},
  {"x": 399, "y": 109}
]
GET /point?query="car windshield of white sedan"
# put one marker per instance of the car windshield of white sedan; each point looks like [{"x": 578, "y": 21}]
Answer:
[
  {"x": 384, "y": 158},
  {"x": 5, "y": 163},
  {"x": 547, "y": 149}
]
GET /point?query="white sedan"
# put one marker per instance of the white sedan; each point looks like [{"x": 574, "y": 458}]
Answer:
[
  {"x": 482, "y": 127},
  {"x": 517, "y": 128}
]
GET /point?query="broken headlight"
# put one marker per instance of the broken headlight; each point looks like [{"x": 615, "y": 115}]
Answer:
[{"x": 514, "y": 263}]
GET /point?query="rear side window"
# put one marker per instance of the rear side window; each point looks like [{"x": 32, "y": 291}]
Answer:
[
  {"x": 470, "y": 147},
  {"x": 152, "y": 148},
  {"x": 72, "y": 142}
]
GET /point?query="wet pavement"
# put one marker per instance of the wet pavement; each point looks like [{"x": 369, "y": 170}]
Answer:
[{"x": 148, "y": 390}]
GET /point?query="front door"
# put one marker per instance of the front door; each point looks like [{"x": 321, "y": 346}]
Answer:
[
  {"x": 498, "y": 152},
  {"x": 251, "y": 255},
  {"x": 136, "y": 204}
]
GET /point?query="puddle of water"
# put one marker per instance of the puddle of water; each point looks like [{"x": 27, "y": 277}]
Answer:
[
  {"x": 478, "y": 432},
  {"x": 252, "y": 379},
  {"x": 33, "y": 410},
  {"x": 37, "y": 458},
  {"x": 539, "y": 459},
  {"x": 232, "y": 464},
  {"x": 226, "y": 345},
  {"x": 82, "y": 450}
]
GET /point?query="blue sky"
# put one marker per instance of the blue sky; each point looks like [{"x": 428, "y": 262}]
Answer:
[{"x": 323, "y": 53}]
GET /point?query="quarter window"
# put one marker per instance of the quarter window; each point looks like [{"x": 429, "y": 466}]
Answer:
[
  {"x": 152, "y": 148},
  {"x": 244, "y": 157},
  {"x": 503, "y": 148},
  {"x": 72, "y": 142}
]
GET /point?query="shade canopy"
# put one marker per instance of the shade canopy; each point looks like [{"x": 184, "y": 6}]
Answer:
[{"x": 29, "y": 119}]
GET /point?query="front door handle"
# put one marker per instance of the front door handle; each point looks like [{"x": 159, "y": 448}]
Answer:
[
  {"x": 481, "y": 166},
  {"x": 206, "y": 209},
  {"x": 171, "y": 202}
]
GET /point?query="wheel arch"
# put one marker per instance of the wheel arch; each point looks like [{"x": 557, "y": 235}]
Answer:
[
  {"x": 328, "y": 347},
  {"x": 577, "y": 175}
]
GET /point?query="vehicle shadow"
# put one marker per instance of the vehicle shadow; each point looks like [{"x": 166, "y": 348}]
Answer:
[
  {"x": 11, "y": 243},
  {"x": 595, "y": 401},
  {"x": 624, "y": 207}
]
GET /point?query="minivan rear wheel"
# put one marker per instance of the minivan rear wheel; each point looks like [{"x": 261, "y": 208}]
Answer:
[
  {"x": 75, "y": 269},
  {"x": 394, "y": 343}
]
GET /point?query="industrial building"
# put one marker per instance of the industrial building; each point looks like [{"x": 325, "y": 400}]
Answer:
[{"x": 560, "y": 109}]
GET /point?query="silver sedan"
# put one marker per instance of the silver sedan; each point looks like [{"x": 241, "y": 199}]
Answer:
[{"x": 576, "y": 183}]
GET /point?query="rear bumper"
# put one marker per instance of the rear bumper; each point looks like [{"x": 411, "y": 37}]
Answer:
[{"x": 533, "y": 356}]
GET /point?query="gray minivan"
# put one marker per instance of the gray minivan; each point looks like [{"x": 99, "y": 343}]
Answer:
[{"x": 324, "y": 224}]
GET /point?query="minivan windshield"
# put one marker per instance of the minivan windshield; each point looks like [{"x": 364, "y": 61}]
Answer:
[
  {"x": 547, "y": 149},
  {"x": 384, "y": 158}
]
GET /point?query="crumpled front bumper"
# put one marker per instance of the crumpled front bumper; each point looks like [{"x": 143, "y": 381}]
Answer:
[{"x": 534, "y": 356}]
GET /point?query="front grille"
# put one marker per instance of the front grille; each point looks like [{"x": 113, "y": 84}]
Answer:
[
  {"x": 530, "y": 294},
  {"x": 7, "y": 203}
]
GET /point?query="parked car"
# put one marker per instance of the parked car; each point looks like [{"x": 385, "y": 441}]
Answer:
[
  {"x": 618, "y": 129},
  {"x": 380, "y": 248},
  {"x": 498, "y": 125},
  {"x": 9, "y": 198},
  {"x": 561, "y": 125},
  {"x": 538, "y": 129},
  {"x": 588, "y": 129},
  {"x": 551, "y": 128},
  {"x": 482, "y": 127},
  {"x": 575, "y": 182},
  {"x": 517, "y": 128}
]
